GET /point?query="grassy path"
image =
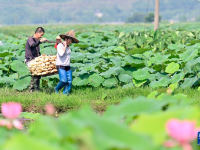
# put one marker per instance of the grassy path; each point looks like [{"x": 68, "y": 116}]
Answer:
[{"x": 98, "y": 98}]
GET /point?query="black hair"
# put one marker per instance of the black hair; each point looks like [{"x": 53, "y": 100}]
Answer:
[
  {"x": 40, "y": 30},
  {"x": 69, "y": 38}
]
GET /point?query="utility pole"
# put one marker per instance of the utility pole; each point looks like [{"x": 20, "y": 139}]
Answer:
[{"x": 156, "y": 16}]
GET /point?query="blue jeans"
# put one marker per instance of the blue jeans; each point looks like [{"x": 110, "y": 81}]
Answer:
[{"x": 65, "y": 81}]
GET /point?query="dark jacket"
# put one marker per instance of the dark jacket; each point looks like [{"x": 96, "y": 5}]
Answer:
[{"x": 32, "y": 49}]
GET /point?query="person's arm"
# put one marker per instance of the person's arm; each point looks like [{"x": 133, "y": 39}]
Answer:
[
  {"x": 65, "y": 46},
  {"x": 34, "y": 44},
  {"x": 61, "y": 49}
]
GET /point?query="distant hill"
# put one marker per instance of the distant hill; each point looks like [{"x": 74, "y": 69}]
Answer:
[{"x": 83, "y": 11}]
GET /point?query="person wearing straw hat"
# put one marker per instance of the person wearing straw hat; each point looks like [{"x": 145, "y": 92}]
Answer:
[
  {"x": 58, "y": 40},
  {"x": 63, "y": 62}
]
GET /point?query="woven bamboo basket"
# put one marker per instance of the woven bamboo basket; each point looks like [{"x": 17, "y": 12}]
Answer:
[{"x": 43, "y": 66}]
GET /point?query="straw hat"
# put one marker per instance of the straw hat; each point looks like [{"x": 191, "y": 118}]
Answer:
[
  {"x": 58, "y": 38},
  {"x": 70, "y": 34}
]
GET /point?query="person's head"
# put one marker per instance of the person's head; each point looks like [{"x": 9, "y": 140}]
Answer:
[
  {"x": 58, "y": 39},
  {"x": 39, "y": 32},
  {"x": 68, "y": 40},
  {"x": 69, "y": 37}
]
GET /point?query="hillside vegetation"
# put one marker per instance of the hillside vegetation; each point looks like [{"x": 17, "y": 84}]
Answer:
[{"x": 78, "y": 11}]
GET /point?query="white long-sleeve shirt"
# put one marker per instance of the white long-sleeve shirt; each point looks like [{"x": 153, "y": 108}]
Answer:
[{"x": 63, "y": 58}]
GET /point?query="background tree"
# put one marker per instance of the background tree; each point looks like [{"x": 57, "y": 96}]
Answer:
[
  {"x": 198, "y": 18},
  {"x": 23, "y": 11},
  {"x": 136, "y": 17},
  {"x": 150, "y": 17},
  {"x": 183, "y": 19}
]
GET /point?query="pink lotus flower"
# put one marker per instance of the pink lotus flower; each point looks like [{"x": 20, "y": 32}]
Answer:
[
  {"x": 11, "y": 112},
  {"x": 50, "y": 110},
  {"x": 182, "y": 133}
]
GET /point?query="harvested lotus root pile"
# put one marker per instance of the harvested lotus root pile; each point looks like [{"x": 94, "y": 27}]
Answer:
[{"x": 43, "y": 65}]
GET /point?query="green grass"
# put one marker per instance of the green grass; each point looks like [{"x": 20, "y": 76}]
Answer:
[{"x": 98, "y": 98}]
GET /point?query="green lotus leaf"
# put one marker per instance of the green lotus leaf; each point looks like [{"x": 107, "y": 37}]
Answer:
[
  {"x": 110, "y": 82},
  {"x": 76, "y": 65},
  {"x": 81, "y": 80},
  {"x": 106, "y": 51},
  {"x": 19, "y": 67},
  {"x": 130, "y": 107},
  {"x": 77, "y": 56},
  {"x": 2, "y": 67},
  {"x": 173, "y": 47},
  {"x": 152, "y": 95},
  {"x": 140, "y": 74},
  {"x": 177, "y": 77},
  {"x": 78, "y": 73},
  {"x": 93, "y": 55},
  {"x": 190, "y": 64},
  {"x": 49, "y": 51},
  {"x": 4, "y": 54},
  {"x": 157, "y": 131},
  {"x": 172, "y": 67},
  {"x": 139, "y": 83},
  {"x": 159, "y": 59},
  {"x": 7, "y": 80},
  {"x": 138, "y": 51},
  {"x": 130, "y": 85},
  {"x": 140, "y": 40},
  {"x": 188, "y": 82},
  {"x": 132, "y": 60},
  {"x": 189, "y": 55},
  {"x": 106, "y": 74},
  {"x": 22, "y": 84},
  {"x": 6, "y": 46},
  {"x": 95, "y": 80},
  {"x": 96, "y": 40},
  {"x": 112, "y": 71},
  {"x": 120, "y": 49},
  {"x": 160, "y": 83},
  {"x": 88, "y": 67},
  {"x": 81, "y": 45},
  {"x": 125, "y": 76},
  {"x": 117, "y": 61},
  {"x": 85, "y": 34}
]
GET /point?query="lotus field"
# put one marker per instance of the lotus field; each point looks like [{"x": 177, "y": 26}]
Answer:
[
  {"x": 113, "y": 58},
  {"x": 125, "y": 57}
]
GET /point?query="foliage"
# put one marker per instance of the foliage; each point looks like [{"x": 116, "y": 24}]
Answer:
[
  {"x": 182, "y": 18},
  {"x": 198, "y": 18},
  {"x": 150, "y": 17},
  {"x": 83, "y": 11},
  {"x": 136, "y": 17},
  {"x": 129, "y": 125},
  {"x": 113, "y": 58}
]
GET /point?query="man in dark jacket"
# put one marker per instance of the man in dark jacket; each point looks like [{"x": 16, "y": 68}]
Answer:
[{"x": 32, "y": 51}]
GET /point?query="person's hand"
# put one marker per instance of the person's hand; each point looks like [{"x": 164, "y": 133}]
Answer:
[
  {"x": 64, "y": 43},
  {"x": 43, "y": 39}
]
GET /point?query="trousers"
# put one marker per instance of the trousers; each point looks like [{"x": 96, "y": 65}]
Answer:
[
  {"x": 35, "y": 82},
  {"x": 65, "y": 81}
]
